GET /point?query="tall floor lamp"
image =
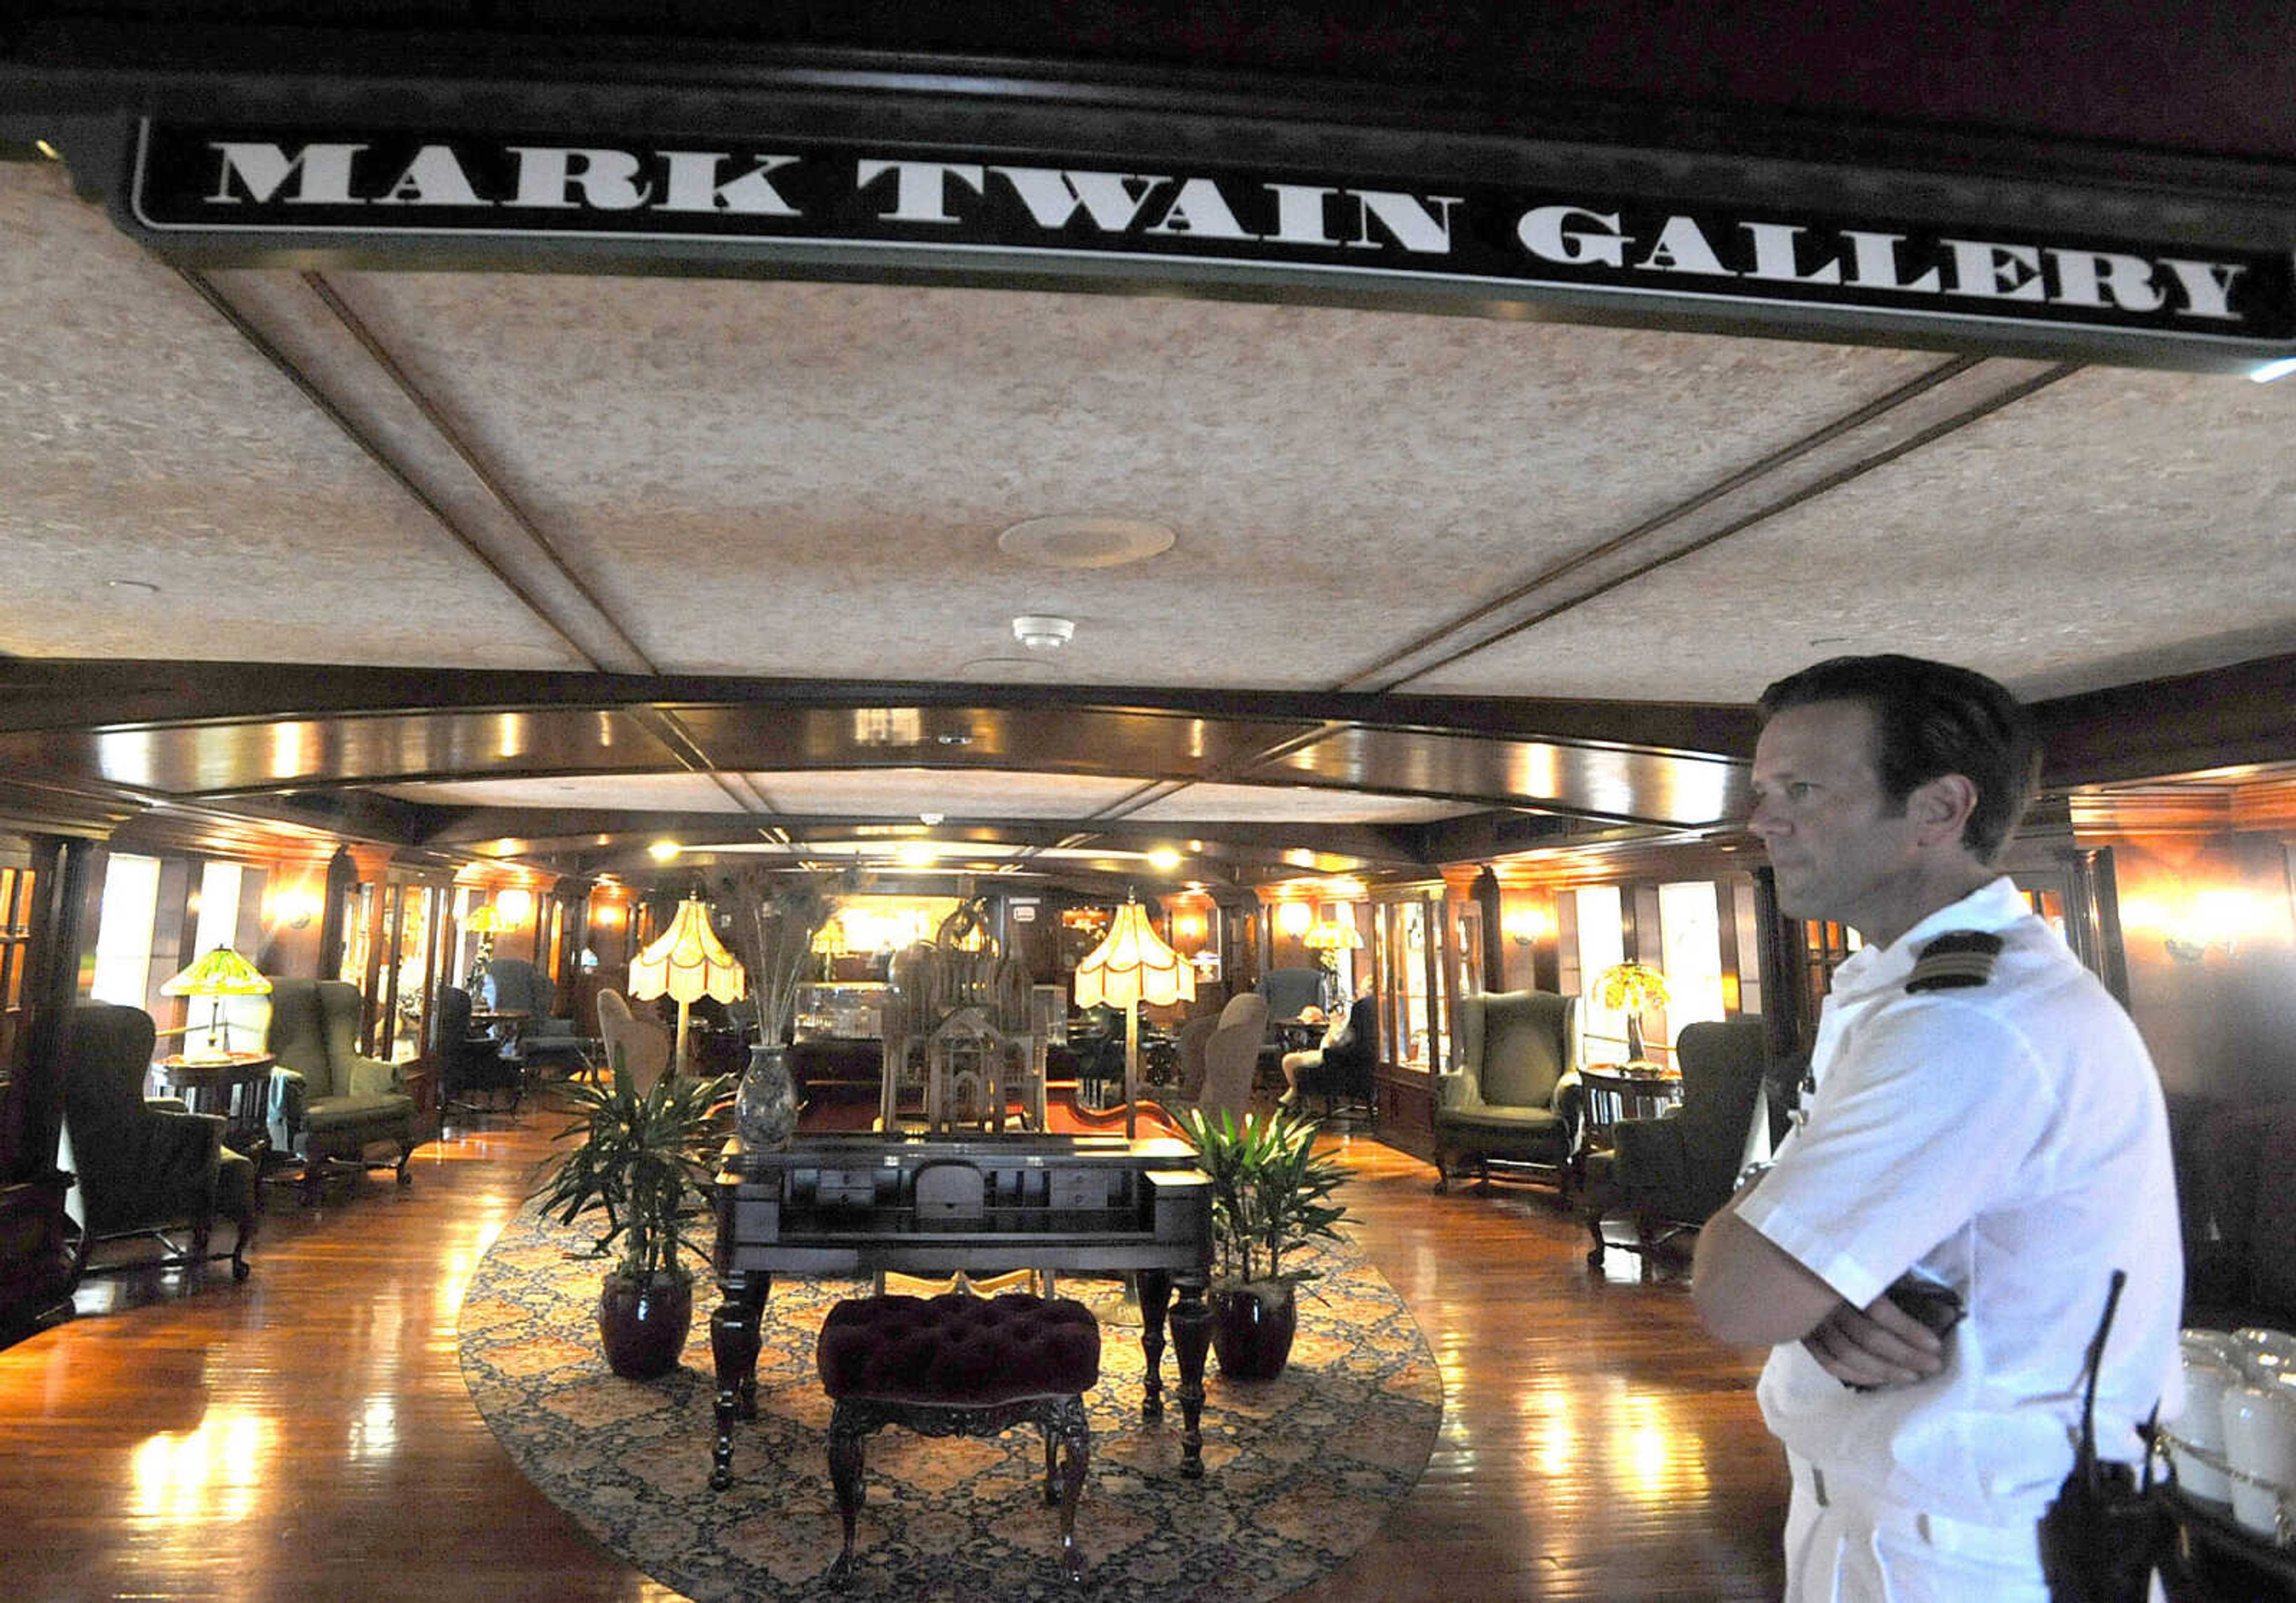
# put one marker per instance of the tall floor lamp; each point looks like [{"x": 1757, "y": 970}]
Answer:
[
  {"x": 1133, "y": 966},
  {"x": 687, "y": 961}
]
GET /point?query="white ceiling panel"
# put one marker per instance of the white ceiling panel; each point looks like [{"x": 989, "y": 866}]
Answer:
[
  {"x": 170, "y": 494},
  {"x": 2118, "y": 524},
  {"x": 959, "y": 794},
  {"x": 1291, "y": 804},
  {"x": 791, "y": 478},
  {"x": 637, "y": 792}
]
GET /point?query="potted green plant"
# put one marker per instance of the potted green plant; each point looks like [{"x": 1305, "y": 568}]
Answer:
[
  {"x": 1272, "y": 1194},
  {"x": 642, "y": 1161}
]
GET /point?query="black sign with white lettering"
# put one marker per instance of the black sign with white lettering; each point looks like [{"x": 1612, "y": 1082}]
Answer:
[{"x": 773, "y": 194}]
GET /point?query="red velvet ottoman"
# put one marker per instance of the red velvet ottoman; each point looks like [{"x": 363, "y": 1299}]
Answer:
[{"x": 960, "y": 1365}]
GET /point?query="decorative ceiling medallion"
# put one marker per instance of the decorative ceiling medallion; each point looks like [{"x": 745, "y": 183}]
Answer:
[
  {"x": 1085, "y": 541},
  {"x": 1006, "y": 667}
]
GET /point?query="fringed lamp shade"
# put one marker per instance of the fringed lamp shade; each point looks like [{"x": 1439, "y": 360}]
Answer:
[
  {"x": 1133, "y": 966},
  {"x": 221, "y": 973},
  {"x": 686, "y": 962}
]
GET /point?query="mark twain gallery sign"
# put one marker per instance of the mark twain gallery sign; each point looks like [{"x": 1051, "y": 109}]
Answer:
[{"x": 800, "y": 199}]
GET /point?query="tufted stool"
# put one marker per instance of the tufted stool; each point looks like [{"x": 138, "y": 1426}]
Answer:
[{"x": 959, "y": 1365}]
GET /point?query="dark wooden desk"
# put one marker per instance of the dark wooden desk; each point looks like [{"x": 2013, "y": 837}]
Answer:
[
  {"x": 852, "y": 1205},
  {"x": 236, "y": 1085}
]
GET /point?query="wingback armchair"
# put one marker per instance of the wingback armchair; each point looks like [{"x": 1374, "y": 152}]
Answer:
[
  {"x": 468, "y": 1063},
  {"x": 1230, "y": 1052},
  {"x": 547, "y": 1039},
  {"x": 643, "y": 1044},
  {"x": 1514, "y": 1095},
  {"x": 329, "y": 1105},
  {"x": 145, "y": 1168},
  {"x": 1350, "y": 1072},
  {"x": 1672, "y": 1173}
]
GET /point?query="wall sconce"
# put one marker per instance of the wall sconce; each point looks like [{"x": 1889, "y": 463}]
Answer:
[
  {"x": 296, "y": 908},
  {"x": 1293, "y": 918},
  {"x": 515, "y": 906},
  {"x": 2216, "y": 921},
  {"x": 1524, "y": 928}
]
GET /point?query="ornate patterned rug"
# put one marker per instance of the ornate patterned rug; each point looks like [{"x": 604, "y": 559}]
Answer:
[{"x": 1299, "y": 1471}]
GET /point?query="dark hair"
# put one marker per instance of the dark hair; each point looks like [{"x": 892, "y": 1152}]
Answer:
[{"x": 1931, "y": 719}]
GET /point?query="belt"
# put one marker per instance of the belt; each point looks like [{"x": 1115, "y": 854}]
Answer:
[{"x": 2017, "y": 1544}]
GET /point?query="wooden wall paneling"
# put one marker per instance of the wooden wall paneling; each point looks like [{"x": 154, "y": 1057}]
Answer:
[
  {"x": 36, "y": 1234},
  {"x": 174, "y": 938}
]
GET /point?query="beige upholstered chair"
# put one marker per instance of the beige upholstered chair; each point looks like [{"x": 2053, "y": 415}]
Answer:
[
  {"x": 1230, "y": 1053},
  {"x": 644, "y": 1043}
]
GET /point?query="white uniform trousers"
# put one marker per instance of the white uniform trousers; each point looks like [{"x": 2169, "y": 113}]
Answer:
[{"x": 1844, "y": 1546}]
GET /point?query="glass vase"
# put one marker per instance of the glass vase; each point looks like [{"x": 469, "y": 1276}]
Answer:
[{"x": 764, "y": 1108}]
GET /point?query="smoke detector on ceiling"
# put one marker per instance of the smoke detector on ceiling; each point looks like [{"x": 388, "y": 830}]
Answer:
[{"x": 1041, "y": 634}]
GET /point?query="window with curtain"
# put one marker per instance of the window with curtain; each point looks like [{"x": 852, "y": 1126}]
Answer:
[
  {"x": 219, "y": 924},
  {"x": 1602, "y": 945},
  {"x": 1690, "y": 929},
  {"x": 123, "y": 936}
]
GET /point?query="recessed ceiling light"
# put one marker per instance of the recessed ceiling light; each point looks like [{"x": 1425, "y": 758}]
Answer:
[
  {"x": 663, "y": 851},
  {"x": 1085, "y": 541},
  {"x": 1164, "y": 859},
  {"x": 133, "y": 586}
]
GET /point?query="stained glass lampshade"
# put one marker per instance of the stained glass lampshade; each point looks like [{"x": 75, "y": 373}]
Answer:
[
  {"x": 221, "y": 973},
  {"x": 486, "y": 920},
  {"x": 1633, "y": 986},
  {"x": 686, "y": 962},
  {"x": 1130, "y": 966}
]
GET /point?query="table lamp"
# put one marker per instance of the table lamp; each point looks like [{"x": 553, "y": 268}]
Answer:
[
  {"x": 1132, "y": 966},
  {"x": 1327, "y": 938},
  {"x": 687, "y": 961},
  {"x": 221, "y": 973},
  {"x": 486, "y": 921},
  {"x": 1633, "y": 986}
]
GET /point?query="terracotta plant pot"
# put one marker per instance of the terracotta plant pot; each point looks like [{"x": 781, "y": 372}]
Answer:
[
  {"x": 1252, "y": 1327},
  {"x": 643, "y": 1327}
]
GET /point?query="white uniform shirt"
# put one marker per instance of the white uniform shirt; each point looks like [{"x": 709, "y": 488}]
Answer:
[{"x": 2009, "y": 1139}]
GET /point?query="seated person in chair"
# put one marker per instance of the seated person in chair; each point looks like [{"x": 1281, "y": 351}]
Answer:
[{"x": 1338, "y": 1034}]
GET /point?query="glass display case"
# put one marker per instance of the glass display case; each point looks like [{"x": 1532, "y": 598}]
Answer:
[{"x": 841, "y": 1010}]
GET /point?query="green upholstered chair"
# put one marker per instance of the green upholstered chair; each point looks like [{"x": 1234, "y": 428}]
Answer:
[
  {"x": 1514, "y": 1098},
  {"x": 470, "y": 1063},
  {"x": 546, "y": 1039},
  {"x": 1349, "y": 1073},
  {"x": 329, "y": 1105},
  {"x": 1670, "y": 1173},
  {"x": 145, "y": 1168}
]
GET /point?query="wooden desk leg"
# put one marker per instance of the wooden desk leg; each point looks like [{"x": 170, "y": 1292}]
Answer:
[
  {"x": 733, "y": 1344},
  {"x": 1192, "y": 1334},
  {"x": 1155, "y": 1297}
]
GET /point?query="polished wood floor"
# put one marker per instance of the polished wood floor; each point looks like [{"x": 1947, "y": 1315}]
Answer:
[{"x": 307, "y": 1434}]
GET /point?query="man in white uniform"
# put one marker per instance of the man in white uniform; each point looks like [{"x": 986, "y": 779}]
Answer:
[{"x": 1983, "y": 1118}]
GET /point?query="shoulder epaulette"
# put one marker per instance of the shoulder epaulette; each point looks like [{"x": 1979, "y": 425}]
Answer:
[{"x": 1955, "y": 962}]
